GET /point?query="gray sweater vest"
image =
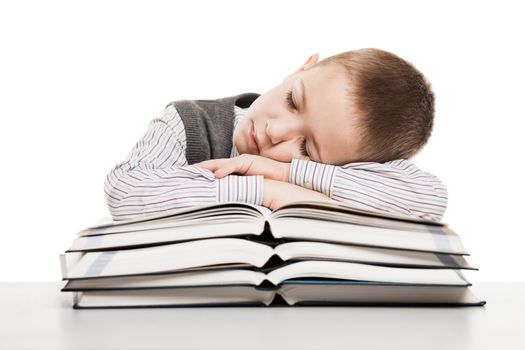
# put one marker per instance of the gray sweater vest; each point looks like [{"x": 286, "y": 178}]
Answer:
[{"x": 209, "y": 125}]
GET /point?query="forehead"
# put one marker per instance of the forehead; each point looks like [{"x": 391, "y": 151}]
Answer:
[
  {"x": 330, "y": 114},
  {"x": 326, "y": 88}
]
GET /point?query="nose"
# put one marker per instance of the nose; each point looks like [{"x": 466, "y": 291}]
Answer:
[{"x": 279, "y": 131}]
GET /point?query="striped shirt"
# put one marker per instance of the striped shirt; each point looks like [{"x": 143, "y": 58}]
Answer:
[{"x": 155, "y": 178}]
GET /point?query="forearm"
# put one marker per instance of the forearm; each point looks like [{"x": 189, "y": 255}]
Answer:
[
  {"x": 132, "y": 193},
  {"x": 396, "y": 186},
  {"x": 278, "y": 193}
]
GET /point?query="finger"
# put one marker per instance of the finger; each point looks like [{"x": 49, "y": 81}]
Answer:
[
  {"x": 239, "y": 165},
  {"x": 202, "y": 164},
  {"x": 222, "y": 172},
  {"x": 208, "y": 164},
  {"x": 225, "y": 170}
]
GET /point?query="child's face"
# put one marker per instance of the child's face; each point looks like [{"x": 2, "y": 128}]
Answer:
[{"x": 326, "y": 120}]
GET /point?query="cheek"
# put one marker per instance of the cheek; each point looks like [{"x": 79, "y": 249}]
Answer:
[
  {"x": 239, "y": 135},
  {"x": 282, "y": 153}
]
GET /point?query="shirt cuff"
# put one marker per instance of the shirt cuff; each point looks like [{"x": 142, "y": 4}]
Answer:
[
  {"x": 312, "y": 175},
  {"x": 237, "y": 188}
]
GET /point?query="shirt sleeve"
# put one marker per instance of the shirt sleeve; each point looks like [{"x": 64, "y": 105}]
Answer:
[
  {"x": 397, "y": 186},
  {"x": 155, "y": 177}
]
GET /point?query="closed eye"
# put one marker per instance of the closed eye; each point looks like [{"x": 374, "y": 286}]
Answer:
[
  {"x": 304, "y": 152},
  {"x": 293, "y": 106},
  {"x": 289, "y": 100}
]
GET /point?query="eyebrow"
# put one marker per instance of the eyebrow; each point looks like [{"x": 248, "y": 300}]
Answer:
[{"x": 303, "y": 104}]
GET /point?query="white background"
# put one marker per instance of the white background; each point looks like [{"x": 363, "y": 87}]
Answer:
[{"x": 80, "y": 81}]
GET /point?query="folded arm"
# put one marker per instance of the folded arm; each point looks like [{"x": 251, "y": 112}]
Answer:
[
  {"x": 397, "y": 186},
  {"x": 155, "y": 176}
]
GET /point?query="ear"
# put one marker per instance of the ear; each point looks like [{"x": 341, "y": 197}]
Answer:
[{"x": 309, "y": 62}]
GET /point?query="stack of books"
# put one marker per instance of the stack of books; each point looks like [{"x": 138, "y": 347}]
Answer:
[{"x": 304, "y": 253}]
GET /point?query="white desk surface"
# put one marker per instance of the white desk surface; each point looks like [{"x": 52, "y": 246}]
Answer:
[{"x": 39, "y": 316}]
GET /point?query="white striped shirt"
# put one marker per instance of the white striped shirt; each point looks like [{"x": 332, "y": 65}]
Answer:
[{"x": 155, "y": 178}]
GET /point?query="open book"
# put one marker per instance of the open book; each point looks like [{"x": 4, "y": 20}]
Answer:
[
  {"x": 307, "y": 253},
  {"x": 228, "y": 252},
  {"x": 309, "y": 220},
  {"x": 295, "y": 292}
]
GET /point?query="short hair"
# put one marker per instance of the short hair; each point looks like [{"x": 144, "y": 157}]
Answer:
[{"x": 393, "y": 100}]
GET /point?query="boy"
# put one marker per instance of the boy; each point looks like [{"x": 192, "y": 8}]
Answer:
[{"x": 341, "y": 129}]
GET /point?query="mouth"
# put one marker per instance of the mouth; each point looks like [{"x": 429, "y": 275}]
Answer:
[{"x": 253, "y": 141}]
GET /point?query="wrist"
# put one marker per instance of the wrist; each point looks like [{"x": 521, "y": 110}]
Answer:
[
  {"x": 286, "y": 172},
  {"x": 272, "y": 189},
  {"x": 267, "y": 192}
]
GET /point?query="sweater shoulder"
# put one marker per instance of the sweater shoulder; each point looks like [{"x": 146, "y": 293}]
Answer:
[
  {"x": 209, "y": 124},
  {"x": 243, "y": 100}
]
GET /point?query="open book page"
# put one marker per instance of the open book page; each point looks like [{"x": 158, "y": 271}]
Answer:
[
  {"x": 155, "y": 236},
  {"x": 432, "y": 240},
  {"x": 357, "y": 219},
  {"x": 374, "y": 294},
  {"x": 365, "y": 272},
  {"x": 305, "y": 250},
  {"x": 339, "y": 209},
  {"x": 160, "y": 258},
  {"x": 108, "y": 221},
  {"x": 231, "y": 276},
  {"x": 211, "y": 216},
  {"x": 198, "y": 211}
]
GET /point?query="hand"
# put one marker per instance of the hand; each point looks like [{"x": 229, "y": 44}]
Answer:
[
  {"x": 277, "y": 193},
  {"x": 248, "y": 164}
]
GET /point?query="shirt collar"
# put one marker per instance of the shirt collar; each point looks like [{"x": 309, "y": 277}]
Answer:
[{"x": 239, "y": 114}]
